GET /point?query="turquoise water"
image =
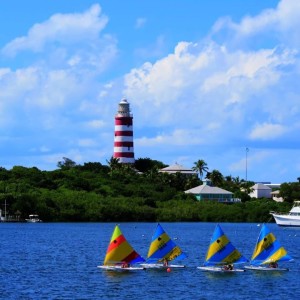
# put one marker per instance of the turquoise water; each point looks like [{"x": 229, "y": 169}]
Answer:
[{"x": 59, "y": 261}]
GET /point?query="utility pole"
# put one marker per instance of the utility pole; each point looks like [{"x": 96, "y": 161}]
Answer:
[{"x": 247, "y": 150}]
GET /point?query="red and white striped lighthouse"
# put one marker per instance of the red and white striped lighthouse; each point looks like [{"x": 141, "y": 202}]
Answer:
[{"x": 123, "y": 142}]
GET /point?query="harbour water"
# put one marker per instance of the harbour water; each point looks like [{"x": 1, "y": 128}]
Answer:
[{"x": 59, "y": 261}]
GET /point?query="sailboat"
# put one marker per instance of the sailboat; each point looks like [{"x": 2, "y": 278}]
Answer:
[
  {"x": 221, "y": 254},
  {"x": 120, "y": 255},
  {"x": 267, "y": 252},
  {"x": 162, "y": 250}
]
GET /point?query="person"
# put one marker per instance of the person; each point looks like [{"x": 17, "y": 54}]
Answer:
[
  {"x": 228, "y": 267},
  {"x": 273, "y": 265},
  {"x": 125, "y": 265},
  {"x": 165, "y": 262}
]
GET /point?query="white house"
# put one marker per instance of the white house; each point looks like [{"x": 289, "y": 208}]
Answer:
[
  {"x": 260, "y": 190},
  {"x": 211, "y": 193}
]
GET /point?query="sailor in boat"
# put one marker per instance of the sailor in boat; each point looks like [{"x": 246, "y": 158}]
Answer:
[
  {"x": 228, "y": 267},
  {"x": 125, "y": 265},
  {"x": 165, "y": 263},
  {"x": 273, "y": 265}
]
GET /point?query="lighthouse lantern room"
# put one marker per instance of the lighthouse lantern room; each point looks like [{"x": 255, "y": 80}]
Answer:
[{"x": 123, "y": 141}]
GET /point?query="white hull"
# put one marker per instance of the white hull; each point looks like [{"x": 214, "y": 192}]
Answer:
[
  {"x": 161, "y": 266},
  {"x": 220, "y": 269},
  {"x": 286, "y": 220},
  {"x": 265, "y": 269},
  {"x": 119, "y": 268},
  {"x": 32, "y": 221}
]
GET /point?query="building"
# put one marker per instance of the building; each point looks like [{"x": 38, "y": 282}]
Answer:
[
  {"x": 211, "y": 193},
  {"x": 260, "y": 190},
  {"x": 123, "y": 140},
  {"x": 176, "y": 168}
]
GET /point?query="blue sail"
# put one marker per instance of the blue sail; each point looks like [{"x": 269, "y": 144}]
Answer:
[
  {"x": 221, "y": 251},
  {"x": 268, "y": 249},
  {"x": 163, "y": 247}
]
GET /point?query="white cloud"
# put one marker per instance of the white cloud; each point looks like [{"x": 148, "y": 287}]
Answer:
[
  {"x": 178, "y": 137},
  {"x": 270, "y": 24},
  {"x": 267, "y": 131},
  {"x": 60, "y": 28}
]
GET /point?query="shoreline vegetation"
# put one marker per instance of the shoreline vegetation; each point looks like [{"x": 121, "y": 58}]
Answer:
[{"x": 93, "y": 192}]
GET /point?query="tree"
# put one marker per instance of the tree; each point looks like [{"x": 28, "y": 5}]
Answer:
[
  {"x": 216, "y": 178},
  {"x": 200, "y": 167},
  {"x": 147, "y": 164},
  {"x": 66, "y": 163},
  {"x": 113, "y": 163}
]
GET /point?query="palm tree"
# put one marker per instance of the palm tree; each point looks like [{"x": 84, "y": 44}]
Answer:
[
  {"x": 113, "y": 163},
  {"x": 216, "y": 178},
  {"x": 200, "y": 167}
]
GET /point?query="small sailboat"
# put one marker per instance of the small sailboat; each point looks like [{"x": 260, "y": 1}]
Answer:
[
  {"x": 268, "y": 252},
  {"x": 162, "y": 250},
  {"x": 222, "y": 255},
  {"x": 120, "y": 255}
]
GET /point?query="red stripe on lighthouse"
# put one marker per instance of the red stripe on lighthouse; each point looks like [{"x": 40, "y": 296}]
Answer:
[
  {"x": 124, "y": 154},
  {"x": 123, "y": 133},
  {"x": 123, "y": 144}
]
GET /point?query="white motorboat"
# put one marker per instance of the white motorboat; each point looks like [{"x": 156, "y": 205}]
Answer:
[
  {"x": 33, "y": 219},
  {"x": 290, "y": 219}
]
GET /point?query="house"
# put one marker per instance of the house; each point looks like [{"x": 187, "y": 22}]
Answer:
[
  {"x": 176, "y": 168},
  {"x": 207, "y": 192},
  {"x": 260, "y": 190}
]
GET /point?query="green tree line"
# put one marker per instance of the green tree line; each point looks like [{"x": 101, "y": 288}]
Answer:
[{"x": 94, "y": 192}]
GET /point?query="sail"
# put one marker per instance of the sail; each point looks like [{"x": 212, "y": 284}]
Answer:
[
  {"x": 268, "y": 249},
  {"x": 221, "y": 251},
  {"x": 120, "y": 251},
  {"x": 163, "y": 247}
]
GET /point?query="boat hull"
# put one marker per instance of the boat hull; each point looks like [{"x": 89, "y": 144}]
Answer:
[
  {"x": 265, "y": 269},
  {"x": 219, "y": 269},
  {"x": 120, "y": 268},
  {"x": 286, "y": 220},
  {"x": 161, "y": 266}
]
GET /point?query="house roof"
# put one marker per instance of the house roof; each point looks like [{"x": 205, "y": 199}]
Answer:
[
  {"x": 206, "y": 189},
  {"x": 177, "y": 168},
  {"x": 260, "y": 186}
]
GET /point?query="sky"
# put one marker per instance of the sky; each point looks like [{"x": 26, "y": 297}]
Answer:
[{"x": 213, "y": 80}]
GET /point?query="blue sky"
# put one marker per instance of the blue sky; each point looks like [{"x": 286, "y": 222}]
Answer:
[{"x": 205, "y": 80}]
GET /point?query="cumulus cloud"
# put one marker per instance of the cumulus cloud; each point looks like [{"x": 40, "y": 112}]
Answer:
[
  {"x": 271, "y": 25},
  {"x": 58, "y": 90},
  {"x": 226, "y": 90},
  {"x": 62, "y": 29}
]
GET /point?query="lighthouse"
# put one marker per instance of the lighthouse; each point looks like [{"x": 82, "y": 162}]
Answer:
[{"x": 123, "y": 142}]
